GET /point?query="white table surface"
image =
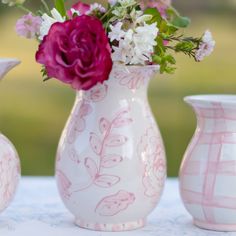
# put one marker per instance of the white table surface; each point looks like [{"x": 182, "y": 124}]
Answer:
[{"x": 38, "y": 211}]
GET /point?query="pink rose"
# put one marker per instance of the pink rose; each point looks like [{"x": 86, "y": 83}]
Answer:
[
  {"x": 77, "y": 52},
  {"x": 81, "y": 7}
]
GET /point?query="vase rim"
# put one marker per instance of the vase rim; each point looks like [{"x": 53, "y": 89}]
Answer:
[
  {"x": 226, "y": 99},
  {"x": 7, "y": 60}
]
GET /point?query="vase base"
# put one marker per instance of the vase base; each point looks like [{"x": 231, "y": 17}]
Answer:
[
  {"x": 111, "y": 227},
  {"x": 215, "y": 227}
]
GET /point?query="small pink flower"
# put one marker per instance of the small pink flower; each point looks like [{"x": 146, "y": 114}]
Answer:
[
  {"x": 206, "y": 46},
  {"x": 28, "y": 26},
  {"x": 161, "y": 5},
  {"x": 80, "y": 7}
]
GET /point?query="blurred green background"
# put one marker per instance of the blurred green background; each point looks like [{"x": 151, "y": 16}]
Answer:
[{"x": 33, "y": 113}]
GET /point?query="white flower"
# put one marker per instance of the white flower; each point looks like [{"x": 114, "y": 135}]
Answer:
[
  {"x": 137, "y": 46},
  {"x": 13, "y": 2},
  {"x": 96, "y": 7},
  {"x": 48, "y": 21},
  {"x": 112, "y": 2},
  {"x": 125, "y": 51},
  {"x": 126, "y": 3},
  {"x": 144, "y": 40},
  {"x": 116, "y": 32},
  {"x": 206, "y": 46},
  {"x": 73, "y": 11},
  {"x": 120, "y": 12}
]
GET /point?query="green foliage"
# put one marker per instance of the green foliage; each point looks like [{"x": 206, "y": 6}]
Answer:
[
  {"x": 60, "y": 6},
  {"x": 178, "y": 20},
  {"x": 185, "y": 46},
  {"x": 156, "y": 17},
  {"x": 44, "y": 74}
]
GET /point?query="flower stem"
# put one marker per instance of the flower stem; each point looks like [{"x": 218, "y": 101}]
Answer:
[
  {"x": 46, "y": 6},
  {"x": 107, "y": 13},
  {"x": 20, "y": 6}
]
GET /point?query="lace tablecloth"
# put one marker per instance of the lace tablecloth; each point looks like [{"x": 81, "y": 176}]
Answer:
[{"x": 38, "y": 211}]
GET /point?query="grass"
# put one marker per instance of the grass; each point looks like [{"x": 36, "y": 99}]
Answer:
[{"x": 33, "y": 113}]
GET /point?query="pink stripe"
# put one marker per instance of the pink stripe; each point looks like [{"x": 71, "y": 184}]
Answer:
[
  {"x": 217, "y": 138},
  {"x": 216, "y": 113},
  {"x": 224, "y": 168},
  {"x": 194, "y": 142},
  {"x": 211, "y": 173},
  {"x": 218, "y": 201}
]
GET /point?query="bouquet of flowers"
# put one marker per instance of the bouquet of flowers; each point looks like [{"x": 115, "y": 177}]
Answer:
[{"x": 79, "y": 45}]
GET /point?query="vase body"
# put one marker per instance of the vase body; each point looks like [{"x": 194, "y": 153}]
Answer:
[
  {"x": 208, "y": 171},
  {"x": 9, "y": 172},
  {"x": 111, "y": 166},
  {"x": 9, "y": 160}
]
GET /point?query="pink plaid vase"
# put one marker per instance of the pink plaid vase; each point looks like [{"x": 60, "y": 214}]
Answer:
[{"x": 208, "y": 171}]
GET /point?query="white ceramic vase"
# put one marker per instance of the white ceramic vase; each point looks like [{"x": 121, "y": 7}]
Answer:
[
  {"x": 9, "y": 161},
  {"x": 111, "y": 166},
  {"x": 208, "y": 171}
]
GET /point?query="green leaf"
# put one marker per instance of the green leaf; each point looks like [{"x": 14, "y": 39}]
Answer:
[
  {"x": 169, "y": 58},
  {"x": 60, "y": 6},
  {"x": 171, "y": 29},
  {"x": 169, "y": 69},
  {"x": 156, "y": 59},
  {"x": 156, "y": 16},
  {"x": 185, "y": 46},
  {"x": 181, "y": 22},
  {"x": 176, "y": 19}
]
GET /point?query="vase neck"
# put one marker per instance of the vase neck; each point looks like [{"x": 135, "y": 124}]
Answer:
[
  {"x": 215, "y": 116},
  {"x": 131, "y": 78},
  {"x": 124, "y": 81}
]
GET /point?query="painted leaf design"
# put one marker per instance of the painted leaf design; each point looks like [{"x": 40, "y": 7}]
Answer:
[
  {"x": 91, "y": 167},
  {"x": 64, "y": 184},
  {"x": 80, "y": 125},
  {"x": 106, "y": 181},
  {"x": 110, "y": 161},
  {"x": 104, "y": 125},
  {"x": 74, "y": 156},
  {"x": 112, "y": 205},
  {"x": 116, "y": 140},
  {"x": 122, "y": 122},
  {"x": 98, "y": 92},
  {"x": 123, "y": 112},
  {"x": 95, "y": 143},
  {"x": 85, "y": 110},
  {"x": 71, "y": 134}
]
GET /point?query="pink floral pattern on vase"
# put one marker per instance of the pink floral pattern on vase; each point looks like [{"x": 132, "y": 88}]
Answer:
[
  {"x": 97, "y": 93},
  {"x": 112, "y": 205},
  {"x": 134, "y": 77},
  {"x": 151, "y": 152},
  {"x": 64, "y": 184},
  {"x": 9, "y": 172},
  {"x": 77, "y": 124},
  {"x": 210, "y": 162},
  {"x": 100, "y": 145}
]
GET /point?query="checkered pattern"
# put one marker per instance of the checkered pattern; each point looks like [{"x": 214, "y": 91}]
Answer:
[{"x": 208, "y": 161}]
